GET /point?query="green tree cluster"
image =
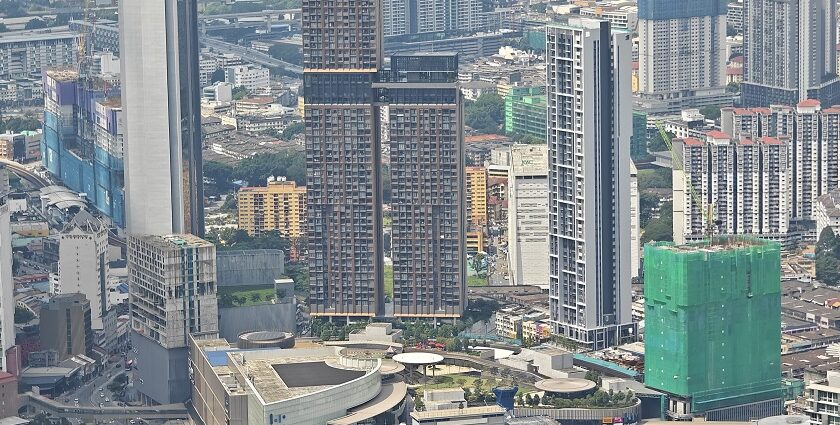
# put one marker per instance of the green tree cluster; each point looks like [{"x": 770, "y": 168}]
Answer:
[
  {"x": 286, "y": 52},
  {"x": 656, "y": 178},
  {"x": 599, "y": 398},
  {"x": 18, "y": 124},
  {"x": 660, "y": 228},
  {"x": 229, "y": 239},
  {"x": 710, "y": 112},
  {"x": 486, "y": 114},
  {"x": 255, "y": 170},
  {"x": 828, "y": 258},
  {"x": 239, "y": 92}
]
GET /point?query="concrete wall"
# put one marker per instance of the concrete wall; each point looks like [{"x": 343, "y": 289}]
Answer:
[
  {"x": 265, "y": 317},
  {"x": 252, "y": 267},
  {"x": 160, "y": 374}
]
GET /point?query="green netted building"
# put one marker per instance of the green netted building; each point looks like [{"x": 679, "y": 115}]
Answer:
[
  {"x": 526, "y": 112},
  {"x": 712, "y": 323}
]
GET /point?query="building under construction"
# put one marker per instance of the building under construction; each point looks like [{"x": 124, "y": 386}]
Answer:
[{"x": 712, "y": 327}]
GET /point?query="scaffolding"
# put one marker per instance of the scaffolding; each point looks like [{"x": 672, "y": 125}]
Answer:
[{"x": 712, "y": 321}]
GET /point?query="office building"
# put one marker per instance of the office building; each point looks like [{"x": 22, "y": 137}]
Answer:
[
  {"x": 528, "y": 215},
  {"x": 589, "y": 126},
  {"x": 743, "y": 188},
  {"x": 7, "y": 287},
  {"x": 83, "y": 263},
  {"x": 400, "y": 17},
  {"x": 24, "y": 54},
  {"x": 280, "y": 206},
  {"x": 635, "y": 233},
  {"x": 811, "y": 135},
  {"x": 311, "y": 385},
  {"x": 252, "y": 77},
  {"x": 162, "y": 117},
  {"x": 172, "y": 294},
  {"x": 343, "y": 157},
  {"x": 525, "y": 112},
  {"x": 425, "y": 126},
  {"x": 82, "y": 142},
  {"x": 66, "y": 326},
  {"x": 704, "y": 304},
  {"x": 476, "y": 191},
  {"x": 682, "y": 62},
  {"x": 790, "y": 52}
]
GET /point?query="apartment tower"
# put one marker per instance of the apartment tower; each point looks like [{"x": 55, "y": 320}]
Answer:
[{"x": 589, "y": 129}]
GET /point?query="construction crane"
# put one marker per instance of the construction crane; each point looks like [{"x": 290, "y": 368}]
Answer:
[
  {"x": 84, "y": 38},
  {"x": 677, "y": 164}
]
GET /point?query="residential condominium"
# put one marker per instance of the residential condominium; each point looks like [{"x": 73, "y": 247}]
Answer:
[
  {"x": 525, "y": 112},
  {"x": 25, "y": 54},
  {"x": 790, "y": 52},
  {"x": 682, "y": 61},
  {"x": 83, "y": 263},
  {"x": 528, "y": 215},
  {"x": 589, "y": 129},
  {"x": 812, "y": 138},
  {"x": 172, "y": 294},
  {"x": 280, "y": 206},
  {"x": 476, "y": 192},
  {"x": 741, "y": 187},
  {"x": 347, "y": 91},
  {"x": 400, "y": 17}
]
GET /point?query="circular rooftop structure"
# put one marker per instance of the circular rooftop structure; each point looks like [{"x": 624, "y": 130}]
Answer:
[
  {"x": 265, "y": 339},
  {"x": 418, "y": 358},
  {"x": 566, "y": 387}
]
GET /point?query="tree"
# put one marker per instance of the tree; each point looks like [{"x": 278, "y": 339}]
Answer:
[
  {"x": 458, "y": 345},
  {"x": 662, "y": 227},
  {"x": 529, "y": 400},
  {"x": 710, "y": 112},
  {"x": 256, "y": 169},
  {"x": 35, "y": 24},
  {"x": 519, "y": 400},
  {"x": 286, "y": 52},
  {"x": 827, "y": 242},
  {"x": 23, "y": 315},
  {"x": 657, "y": 144},
  {"x": 486, "y": 114},
  {"x": 269, "y": 297},
  {"x": 418, "y": 402},
  {"x": 255, "y": 297},
  {"x": 828, "y": 269},
  {"x": 239, "y": 92},
  {"x": 292, "y": 130},
  {"x": 733, "y": 87},
  {"x": 536, "y": 399},
  {"x": 219, "y": 175}
]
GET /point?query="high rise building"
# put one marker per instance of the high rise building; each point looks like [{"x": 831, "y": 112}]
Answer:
[
  {"x": 26, "y": 53},
  {"x": 703, "y": 304},
  {"x": 589, "y": 128},
  {"x": 83, "y": 263},
  {"x": 7, "y": 285},
  {"x": 528, "y": 215},
  {"x": 790, "y": 52},
  {"x": 400, "y": 17},
  {"x": 425, "y": 119},
  {"x": 476, "y": 192},
  {"x": 172, "y": 294},
  {"x": 66, "y": 326},
  {"x": 343, "y": 156},
  {"x": 743, "y": 186},
  {"x": 682, "y": 62},
  {"x": 162, "y": 117},
  {"x": 635, "y": 244},
  {"x": 347, "y": 92},
  {"x": 280, "y": 206}
]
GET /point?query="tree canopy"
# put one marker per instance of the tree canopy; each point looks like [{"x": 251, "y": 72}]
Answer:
[
  {"x": 18, "y": 124},
  {"x": 828, "y": 257},
  {"x": 255, "y": 170},
  {"x": 486, "y": 114},
  {"x": 661, "y": 228}
]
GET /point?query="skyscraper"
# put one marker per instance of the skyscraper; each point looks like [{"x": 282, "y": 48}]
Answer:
[
  {"x": 161, "y": 103},
  {"x": 347, "y": 93},
  {"x": 790, "y": 52},
  {"x": 528, "y": 215},
  {"x": 427, "y": 193},
  {"x": 704, "y": 304},
  {"x": 682, "y": 60},
  {"x": 589, "y": 116},
  {"x": 7, "y": 284},
  {"x": 343, "y": 162}
]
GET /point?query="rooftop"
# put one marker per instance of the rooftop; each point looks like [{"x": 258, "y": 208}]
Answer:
[
  {"x": 565, "y": 385},
  {"x": 31, "y": 36},
  {"x": 456, "y": 413}
]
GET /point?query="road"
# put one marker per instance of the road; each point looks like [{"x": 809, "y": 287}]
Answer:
[
  {"x": 25, "y": 173},
  {"x": 249, "y": 55}
]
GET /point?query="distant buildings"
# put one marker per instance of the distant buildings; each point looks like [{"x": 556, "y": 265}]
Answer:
[
  {"x": 172, "y": 294},
  {"x": 252, "y": 77},
  {"x": 280, "y": 206},
  {"x": 83, "y": 264},
  {"x": 802, "y": 63},
  {"x": 528, "y": 221},
  {"x": 24, "y": 54},
  {"x": 681, "y": 54},
  {"x": 743, "y": 186},
  {"x": 476, "y": 193},
  {"x": 822, "y": 397},
  {"x": 694, "y": 351},
  {"x": 66, "y": 326},
  {"x": 401, "y": 17},
  {"x": 525, "y": 112},
  {"x": 827, "y": 212},
  {"x": 589, "y": 126}
]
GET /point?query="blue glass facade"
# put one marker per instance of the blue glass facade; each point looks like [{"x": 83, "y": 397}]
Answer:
[
  {"x": 676, "y": 9},
  {"x": 82, "y": 143}
]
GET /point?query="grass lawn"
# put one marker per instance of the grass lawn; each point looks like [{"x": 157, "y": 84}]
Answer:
[
  {"x": 389, "y": 281},
  {"x": 249, "y": 292},
  {"x": 475, "y": 280},
  {"x": 486, "y": 383}
]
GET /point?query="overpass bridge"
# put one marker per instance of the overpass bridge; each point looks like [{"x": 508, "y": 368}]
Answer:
[
  {"x": 36, "y": 403},
  {"x": 274, "y": 13},
  {"x": 250, "y": 55}
]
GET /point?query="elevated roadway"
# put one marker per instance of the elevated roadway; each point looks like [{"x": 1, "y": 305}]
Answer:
[
  {"x": 249, "y": 55},
  {"x": 38, "y": 403}
]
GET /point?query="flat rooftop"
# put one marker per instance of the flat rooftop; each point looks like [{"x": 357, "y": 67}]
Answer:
[{"x": 314, "y": 374}]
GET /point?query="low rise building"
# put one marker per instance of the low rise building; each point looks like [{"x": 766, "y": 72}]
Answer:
[
  {"x": 65, "y": 326},
  {"x": 376, "y": 332},
  {"x": 252, "y": 77},
  {"x": 9, "y": 401},
  {"x": 489, "y": 415},
  {"x": 822, "y": 399},
  {"x": 280, "y": 206}
]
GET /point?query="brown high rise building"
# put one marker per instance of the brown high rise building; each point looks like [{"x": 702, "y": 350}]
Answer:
[
  {"x": 345, "y": 89},
  {"x": 342, "y": 48}
]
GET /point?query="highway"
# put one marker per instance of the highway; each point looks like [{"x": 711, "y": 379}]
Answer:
[
  {"x": 40, "y": 403},
  {"x": 273, "y": 13},
  {"x": 25, "y": 173},
  {"x": 249, "y": 55}
]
